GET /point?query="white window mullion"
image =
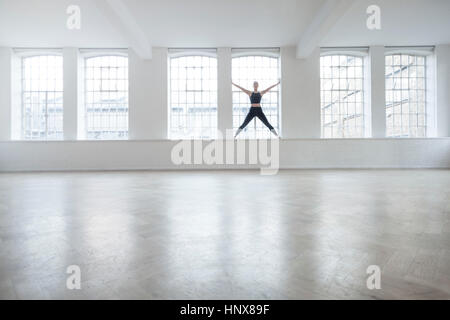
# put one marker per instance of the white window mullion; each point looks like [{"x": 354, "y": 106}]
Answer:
[
  {"x": 42, "y": 96},
  {"x": 106, "y": 96},
  {"x": 406, "y": 102},
  {"x": 192, "y": 94},
  {"x": 263, "y": 66},
  {"x": 342, "y": 95}
]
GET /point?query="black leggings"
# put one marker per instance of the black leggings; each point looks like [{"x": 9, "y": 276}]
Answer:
[{"x": 256, "y": 112}]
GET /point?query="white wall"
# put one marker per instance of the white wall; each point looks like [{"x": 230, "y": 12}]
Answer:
[
  {"x": 70, "y": 97},
  {"x": 300, "y": 147},
  {"x": 377, "y": 91},
  {"x": 148, "y": 96},
  {"x": 224, "y": 90},
  {"x": 156, "y": 154},
  {"x": 443, "y": 90},
  {"x": 300, "y": 94},
  {"x": 5, "y": 92}
]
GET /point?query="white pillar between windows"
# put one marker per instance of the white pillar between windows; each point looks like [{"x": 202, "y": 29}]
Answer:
[
  {"x": 147, "y": 81},
  {"x": 139, "y": 97},
  {"x": 300, "y": 95},
  {"x": 70, "y": 100},
  {"x": 5, "y": 92},
  {"x": 442, "y": 53},
  {"x": 224, "y": 94},
  {"x": 377, "y": 91}
]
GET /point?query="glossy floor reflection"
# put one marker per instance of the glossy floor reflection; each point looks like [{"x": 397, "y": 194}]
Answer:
[{"x": 226, "y": 234}]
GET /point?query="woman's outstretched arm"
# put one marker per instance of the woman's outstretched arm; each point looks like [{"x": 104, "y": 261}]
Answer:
[
  {"x": 270, "y": 88},
  {"x": 243, "y": 89}
]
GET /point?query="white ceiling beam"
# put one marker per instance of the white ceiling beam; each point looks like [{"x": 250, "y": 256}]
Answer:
[
  {"x": 118, "y": 14},
  {"x": 326, "y": 17}
]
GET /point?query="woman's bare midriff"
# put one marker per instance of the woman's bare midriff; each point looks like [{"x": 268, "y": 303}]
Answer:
[{"x": 256, "y": 105}]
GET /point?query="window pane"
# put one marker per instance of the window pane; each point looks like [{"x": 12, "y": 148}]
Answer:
[
  {"x": 106, "y": 97},
  {"x": 405, "y": 96},
  {"x": 265, "y": 70},
  {"x": 42, "y": 97},
  {"x": 193, "y": 97},
  {"x": 342, "y": 96}
]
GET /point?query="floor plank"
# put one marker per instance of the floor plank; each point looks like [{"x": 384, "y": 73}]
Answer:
[{"x": 301, "y": 234}]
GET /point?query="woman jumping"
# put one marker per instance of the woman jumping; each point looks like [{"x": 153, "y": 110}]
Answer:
[{"x": 256, "y": 110}]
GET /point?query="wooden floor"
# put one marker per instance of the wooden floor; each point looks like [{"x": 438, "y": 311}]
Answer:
[{"x": 226, "y": 234}]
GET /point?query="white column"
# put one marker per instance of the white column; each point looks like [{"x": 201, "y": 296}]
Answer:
[
  {"x": 443, "y": 90},
  {"x": 138, "y": 94},
  {"x": 148, "y": 95},
  {"x": 300, "y": 95},
  {"x": 5, "y": 93},
  {"x": 377, "y": 91},
  {"x": 70, "y": 100},
  {"x": 224, "y": 95}
]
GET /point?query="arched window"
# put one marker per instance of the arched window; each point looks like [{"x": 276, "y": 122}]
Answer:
[
  {"x": 193, "y": 96},
  {"x": 406, "y": 103},
  {"x": 342, "y": 96},
  {"x": 106, "y": 97},
  {"x": 247, "y": 68},
  {"x": 42, "y": 97}
]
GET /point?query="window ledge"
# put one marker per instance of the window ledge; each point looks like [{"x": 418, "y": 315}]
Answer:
[{"x": 174, "y": 141}]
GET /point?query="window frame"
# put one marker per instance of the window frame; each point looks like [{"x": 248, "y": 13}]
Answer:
[
  {"x": 364, "y": 55},
  {"x": 21, "y": 55},
  {"x": 259, "y": 52},
  {"x": 175, "y": 53},
  {"x": 86, "y": 54},
  {"x": 427, "y": 52}
]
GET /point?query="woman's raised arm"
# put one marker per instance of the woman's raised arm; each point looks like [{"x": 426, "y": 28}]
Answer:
[
  {"x": 269, "y": 88},
  {"x": 243, "y": 89}
]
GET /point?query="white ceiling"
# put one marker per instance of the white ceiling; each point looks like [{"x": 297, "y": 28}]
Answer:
[
  {"x": 403, "y": 22},
  {"x": 193, "y": 23},
  {"x": 37, "y": 23},
  {"x": 215, "y": 23},
  {"x": 224, "y": 22}
]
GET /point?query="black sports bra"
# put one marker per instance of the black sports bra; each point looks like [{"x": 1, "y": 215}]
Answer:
[{"x": 255, "y": 97}]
